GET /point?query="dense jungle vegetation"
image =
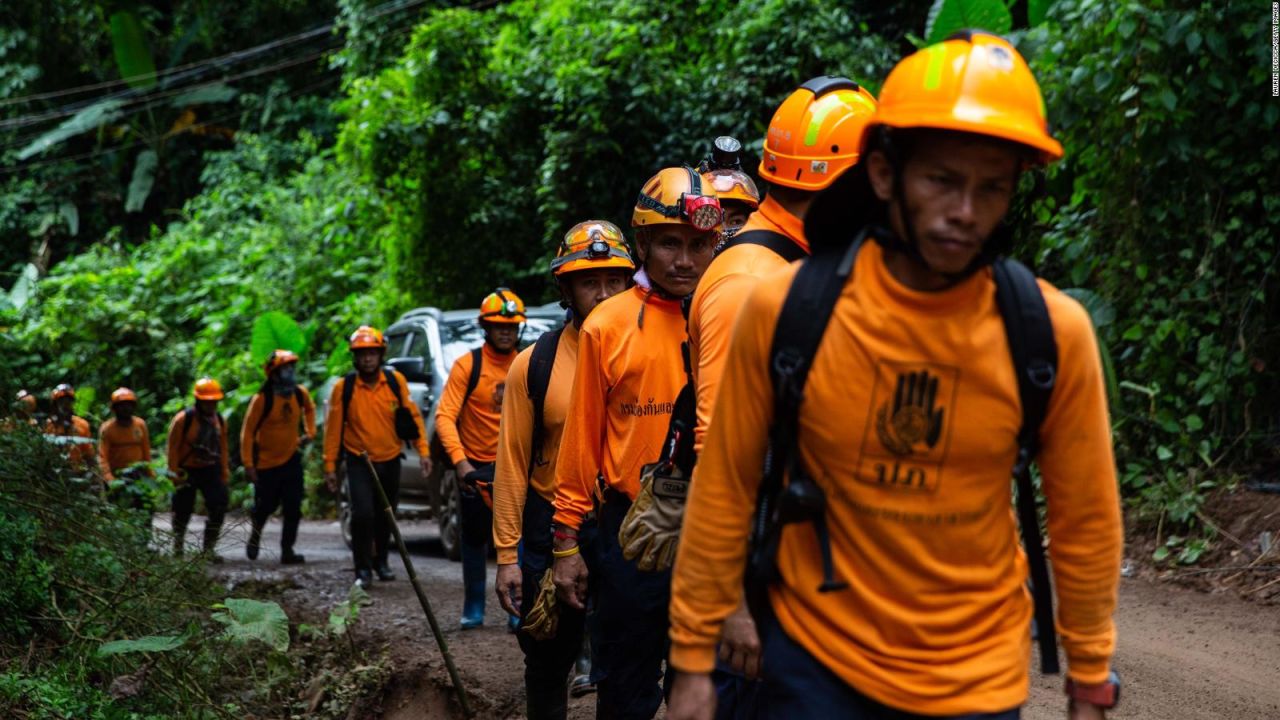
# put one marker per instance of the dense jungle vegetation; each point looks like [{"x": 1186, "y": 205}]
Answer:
[{"x": 171, "y": 171}]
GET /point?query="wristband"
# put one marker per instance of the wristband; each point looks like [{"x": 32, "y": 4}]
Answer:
[
  {"x": 566, "y": 553},
  {"x": 563, "y": 535}
]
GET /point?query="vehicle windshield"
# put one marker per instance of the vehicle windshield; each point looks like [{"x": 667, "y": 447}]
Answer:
[{"x": 458, "y": 337}]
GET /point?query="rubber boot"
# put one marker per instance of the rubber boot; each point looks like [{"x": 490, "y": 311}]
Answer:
[
  {"x": 255, "y": 540},
  {"x": 474, "y": 569},
  {"x": 179, "y": 536}
]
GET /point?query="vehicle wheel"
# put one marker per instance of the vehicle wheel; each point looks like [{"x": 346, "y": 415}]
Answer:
[
  {"x": 450, "y": 516},
  {"x": 344, "y": 514}
]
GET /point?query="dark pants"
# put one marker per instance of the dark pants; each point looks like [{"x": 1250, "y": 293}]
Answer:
[
  {"x": 276, "y": 487},
  {"x": 633, "y": 622},
  {"x": 547, "y": 663},
  {"x": 798, "y": 687},
  {"x": 737, "y": 697},
  {"x": 476, "y": 517},
  {"x": 370, "y": 527},
  {"x": 208, "y": 481}
]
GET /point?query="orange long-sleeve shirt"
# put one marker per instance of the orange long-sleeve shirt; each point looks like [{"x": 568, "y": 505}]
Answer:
[
  {"x": 628, "y": 376},
  {"x": 77, "y": 454},
  {"x": 918, "y": 484},
  {"x": 512, "y": 480},
  {"x": 371, "y": 421},
  {"x": 120, "y": 446},
  {"x": 722, "y": 292},
  {"x": 278, "y": 438},
  {"x": 179, "y": 445},
  {"x": 475, "y": 435}
]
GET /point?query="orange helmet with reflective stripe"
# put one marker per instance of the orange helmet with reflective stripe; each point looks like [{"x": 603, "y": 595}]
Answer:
[
  {"x": 592, "y": 245},
  {"x": 208, "y": 389},
  {"x": 816, "y": 133},
  {"x": 63, "y": 390},
  {"x": 366, "y": 337},
  {"x": 26, "y": 400},
  {"x": 280, "y": 358},
  {"x": 972, "y": 82},
  {"x": 677, "y": 196},
  {"x": 123, "y": 394},
  {"x": 732, "y": 185},
  {"x": 502, "y": 306}
]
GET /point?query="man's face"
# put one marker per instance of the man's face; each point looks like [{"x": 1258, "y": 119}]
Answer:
[
  {"x": 589, "y": 288},
  {"x": 957, "y": 189},
  {"x": 123, "y": 411},
  {"x": 675, "y": 256},
  {"x": 64, "y": 405},
  {"x": 502, "y": 336},
  {"x": 207, "y": 407},
  {"x": 735, "y": 214},
  {"x": 368, "y": 360}
]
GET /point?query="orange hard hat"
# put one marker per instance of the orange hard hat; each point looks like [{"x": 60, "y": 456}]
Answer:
[
  {"x": 208, "y": 389},
  {"x": 592, "y": 245},
  {"x": 366, "y": 337},
  {"x": 63, "y": 390},
  {"x": 27, "y": 400},
  {"x": 280, "y": 358},
  {"x": 677, "y": 196},
  {"x": 972, "y": 82},
  {"x": 502, "y": 306},
  {"x": 730, "y": 185},
  {"x": 123, "y": 394},
  {"x": 816, "y": 133}
]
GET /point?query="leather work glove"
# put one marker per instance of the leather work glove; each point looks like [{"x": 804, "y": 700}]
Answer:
[
  {"x": 482, "y": 482},
  {"x": 651, "y": 529},
  {"x": 543, "y": 617}
]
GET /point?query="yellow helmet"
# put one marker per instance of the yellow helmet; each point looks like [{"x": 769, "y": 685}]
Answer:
[
  {"x": 502, "y": 306},
  {"x": 61, "y": 391},
  {"x": 592, "y": 245},
  {"x": 366, "y": 337},
  {"x": 677, "y": 196},
  {"x": 208, "y": 389},
  {"x": 123, "y": 394}
]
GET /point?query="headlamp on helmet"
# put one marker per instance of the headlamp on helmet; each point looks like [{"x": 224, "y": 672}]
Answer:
[{"x": 701, "y": 211}]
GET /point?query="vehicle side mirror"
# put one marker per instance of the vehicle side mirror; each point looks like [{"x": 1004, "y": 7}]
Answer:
[{"x": 414, "y": 369}]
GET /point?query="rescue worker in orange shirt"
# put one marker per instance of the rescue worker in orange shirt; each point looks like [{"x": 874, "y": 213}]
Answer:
[
  {"x": 65, "y": 423},
  {"x": 24, "y": 407},
  {"x": 591, "y": 265},
  {"x": 281, "y": 420},
  {"x": 630, "y": 371},
  {"x": 197, "y": 451},
  {"x": 467, "y": 421},
  {"x": 812, "y": 139},
  {"x": 905, "y": 594},
  {"x": 124, "y": 442},
  {"x": 371, "y": 414}
]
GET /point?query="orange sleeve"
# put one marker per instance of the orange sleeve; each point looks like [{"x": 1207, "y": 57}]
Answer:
[
  {"x": 719, "y": 305},
  {"x": 251, "y": 418},
  {"x": 104, "y": 449},
  {"x": 176, "y": 444},
  {"x": 407, "y": 401},
  {"x": 511, "y": 479},
  {"x": 308, "y": 414},
  {"x": 707, "y": 581},
  {"x": 451, "y": 406},
  {"x": 582, "y": 444},
  {"x": 1079, "y": 483},
  {"x": 333, "y": 427}
]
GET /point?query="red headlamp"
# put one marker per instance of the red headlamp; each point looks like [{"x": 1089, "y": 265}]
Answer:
[{"x": 702, "y": 212}]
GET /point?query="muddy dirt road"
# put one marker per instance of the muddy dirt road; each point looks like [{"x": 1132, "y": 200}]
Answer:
[{"x": 1183, "y": 655}]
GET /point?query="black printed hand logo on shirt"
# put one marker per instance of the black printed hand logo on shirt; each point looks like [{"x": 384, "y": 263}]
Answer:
[{"x": 913, "y": 417}]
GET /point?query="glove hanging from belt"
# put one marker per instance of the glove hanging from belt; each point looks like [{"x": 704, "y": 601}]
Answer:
[
  {"x": 651, "y": 530},
  {"x": 543, "y": 619}
]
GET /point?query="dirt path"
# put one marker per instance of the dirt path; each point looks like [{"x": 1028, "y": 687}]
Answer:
[{"x": 1184, "y": 655}]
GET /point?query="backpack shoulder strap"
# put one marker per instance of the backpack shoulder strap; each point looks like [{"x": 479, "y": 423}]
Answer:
[
  {"x": 188, "y": 417},
  {"x": 780, "y": 244},
  {"x": 268, "y": 400},
  {"x": 348, "y": 391},
  {"x": 541, "y": 362},
  {"x": 477, "y": 361},
  {"x": 394, "y": 384},
  {"x": 1035, "y": 362}
]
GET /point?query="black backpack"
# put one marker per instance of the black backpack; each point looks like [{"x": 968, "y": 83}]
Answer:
[
  {"x": 268, "y": 401},
  {"x": 801, "y": 325},
  {"x": 783, "y": 246},
  {"x": 406, "y": 427},
  {"x": 188, "y": 417},
  {"x": 538, "y": 379}
]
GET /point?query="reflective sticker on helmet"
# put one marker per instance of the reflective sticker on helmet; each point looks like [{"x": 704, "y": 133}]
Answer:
[
  {"x": 999, "y": 58},
  {"x": 933, "y": 72},
  {"x": 818, "y": 166},
  {"x": 821, "y": 109}
]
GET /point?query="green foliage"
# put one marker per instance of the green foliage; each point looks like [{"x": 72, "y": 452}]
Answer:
[
  {"x": 948, "y": 16},
  {"x": 1170, "y": 214},
  {"x": 249, "y": 620},
  {"x": 133, "y": 57},
  {"x": 149, "y": 643},
  {"x": 29, "y": 591},
  {"x": 274, "y": 330}
]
